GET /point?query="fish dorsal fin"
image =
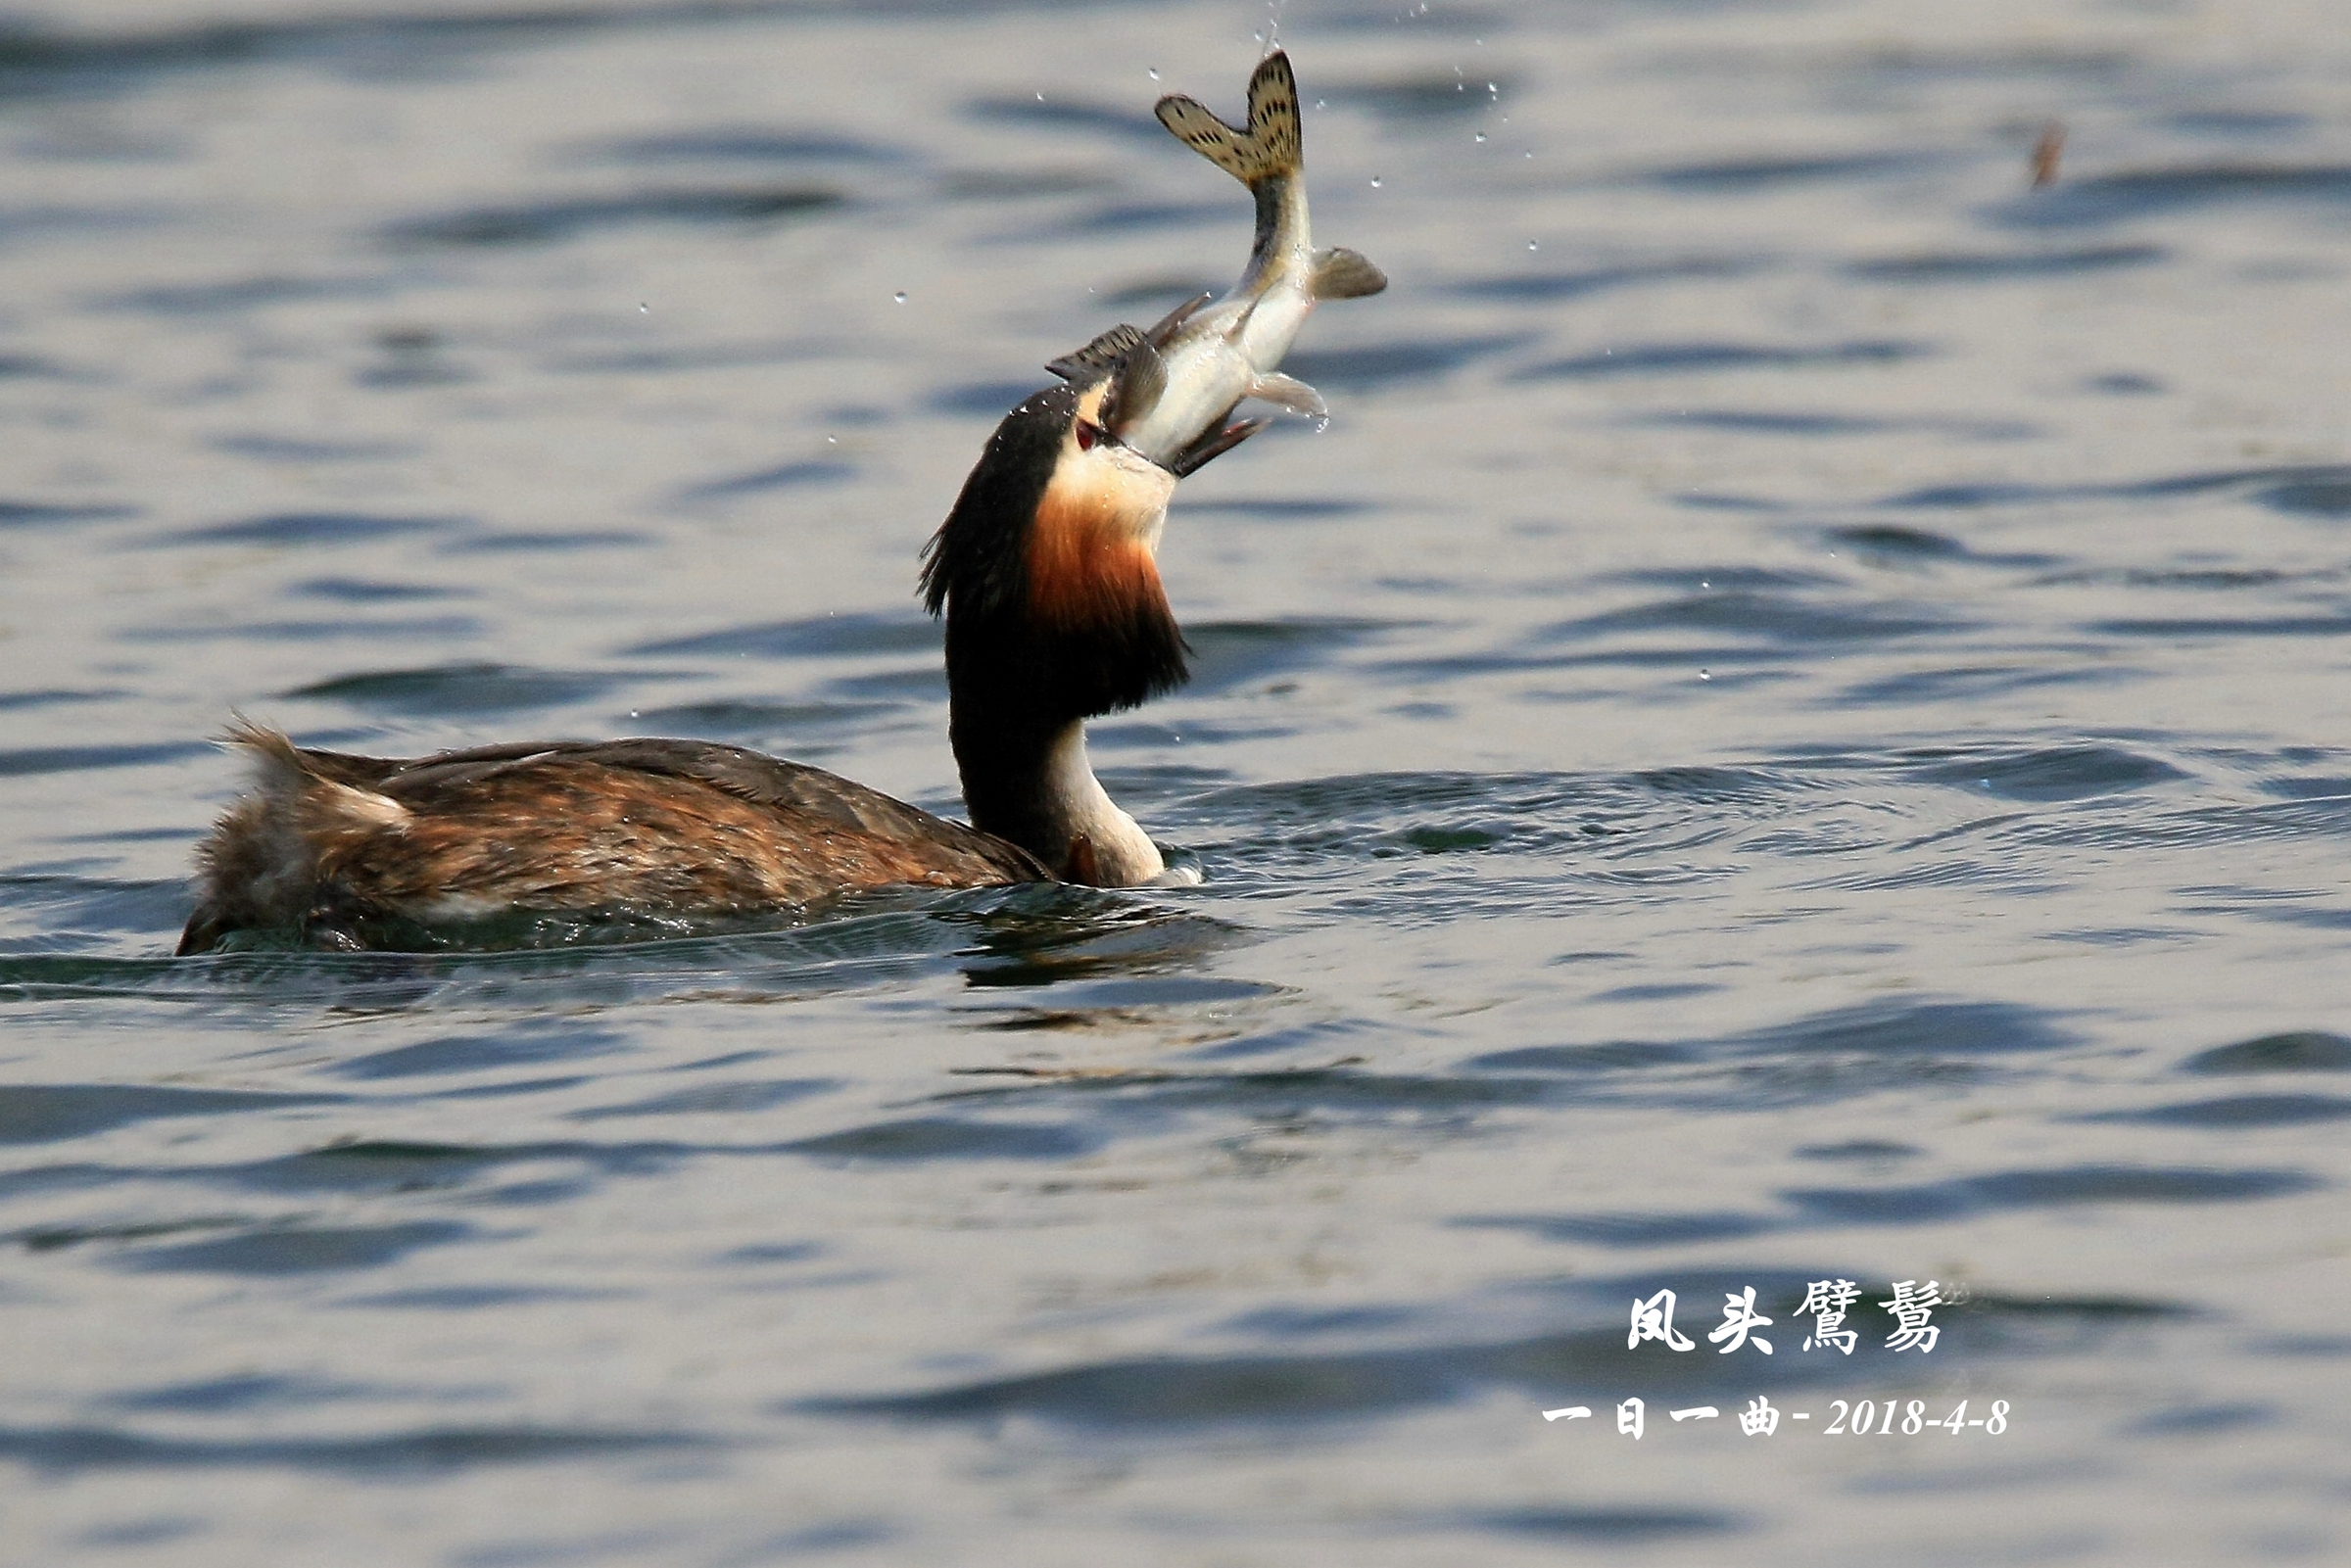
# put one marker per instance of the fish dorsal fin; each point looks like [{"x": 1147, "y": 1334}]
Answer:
[
  {"x": 1164, "y": 329},
  {"x": 1272, "y": 144},
  {"x": 1098, "y": 358},
  {"x": 1343, "y": 274}
]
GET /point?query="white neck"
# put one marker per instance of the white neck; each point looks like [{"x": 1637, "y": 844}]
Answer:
[{"x": 1073, "y": 806}]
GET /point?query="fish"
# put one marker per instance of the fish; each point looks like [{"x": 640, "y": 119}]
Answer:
[{"x": 1180, "y": 379}]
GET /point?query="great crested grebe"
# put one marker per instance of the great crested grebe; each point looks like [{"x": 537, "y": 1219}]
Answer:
[{"x": 1046, "y": 571}]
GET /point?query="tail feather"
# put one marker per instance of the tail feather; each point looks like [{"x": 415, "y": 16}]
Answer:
[
  {"x": 263, "y": 742},
  {"x": 1272, "y": 144}
]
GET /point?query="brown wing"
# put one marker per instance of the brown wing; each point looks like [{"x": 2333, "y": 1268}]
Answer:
[{"x": 655, "y": 826}]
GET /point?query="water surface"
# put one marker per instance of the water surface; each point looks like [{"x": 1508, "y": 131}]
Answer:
[{"x": 1792, "y": 727}]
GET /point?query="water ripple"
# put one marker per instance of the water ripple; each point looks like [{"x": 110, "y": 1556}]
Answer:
[
  {"x": 2238, "y": 1111},
  {"x": 545, "y": 222},
  {"x": 2303, "y": 1050},
  {"x": 451, "y": 689},
  {"x": 2129, "y": 193},
  {"x": 38, "y": 1113},
  {"x": 1709, "y": 357},
  {"x": 297, "y": 1249},
  {"x": 1939, "y": 1202},
  {"x": 50, "y": 1450}
]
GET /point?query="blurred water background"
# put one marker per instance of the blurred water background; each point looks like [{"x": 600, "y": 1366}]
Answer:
[{"x": 1793, "y": 727}]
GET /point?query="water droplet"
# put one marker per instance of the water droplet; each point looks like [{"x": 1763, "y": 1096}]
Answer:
[
  {"x": 1532, "y": 246},
  {"x": 831, "y": 441},
  {"x": 1321, "y": 103},
  {"x": 900, "y": 296},
  {"x": 1154, "y": 74},
  {"x": 1705, "y": 581},
  {"x": 1481, "y": 136},
  {"x": 1040, "y": 98},
  {"x": 1375, "y": 182}
]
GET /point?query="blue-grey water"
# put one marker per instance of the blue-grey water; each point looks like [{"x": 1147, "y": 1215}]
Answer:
[{"x": 1795, "y": 726}]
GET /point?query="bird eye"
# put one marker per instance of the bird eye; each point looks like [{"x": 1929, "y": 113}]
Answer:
[{"x": 1087, "y": 433}]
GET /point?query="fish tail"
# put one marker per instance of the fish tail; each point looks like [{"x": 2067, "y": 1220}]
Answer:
[{"x": 1272, "y": 144}]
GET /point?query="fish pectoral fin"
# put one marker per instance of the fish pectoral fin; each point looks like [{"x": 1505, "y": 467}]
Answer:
[
  {"x": 1098, "y": 358},
  {"x": 1270, "y": 145},
  {"x": 1343, "y": 274},
  {"x": 1135, "y": 387},
  {"x": 1290, "y": 393}
]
